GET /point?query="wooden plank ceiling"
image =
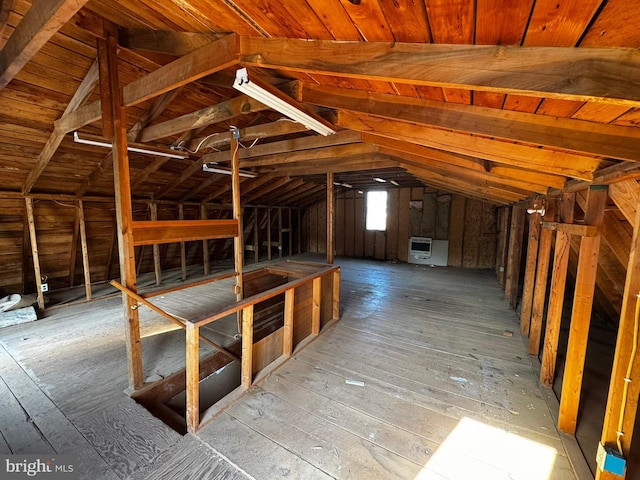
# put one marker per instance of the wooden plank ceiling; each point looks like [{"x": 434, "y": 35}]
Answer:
[{"x": 495, "y": 99}]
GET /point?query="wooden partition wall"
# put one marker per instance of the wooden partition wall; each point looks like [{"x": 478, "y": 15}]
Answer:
[{"x": 470, "y": 226}]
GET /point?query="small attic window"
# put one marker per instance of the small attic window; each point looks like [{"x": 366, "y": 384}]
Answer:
[{"x": 377, "y": 210}]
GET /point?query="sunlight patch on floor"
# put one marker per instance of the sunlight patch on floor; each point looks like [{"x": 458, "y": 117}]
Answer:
[{"x": 474, "y": 450}]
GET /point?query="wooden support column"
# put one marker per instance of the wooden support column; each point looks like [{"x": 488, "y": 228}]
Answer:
[
  {"x": 299, "y": 231},
  {"x": 581, "y": 313},
  {"x": 625, "y": 364},
  {"x": 205, "y": 243},
  {"x": 315, "y": 306},
  {"x": 336, "y": 295},
  {"x": 111, "y": 98},
  {"x": 279, "y": 232},
  {"x": 557, "y": 291},
  {"x": 156, "y": 248},
  {"x": 530, "y": 269},
  {"x": 74, "y": 248},
  {"x": 503, "y": 239},
  {"x": 256, "y": 237},
  {"x": 34, "y": 251},
  {"x": 516, "y": 230},
  {"x": 193, "y": 377},
  {"x": 183, "y": 246},
  {"x": 542, "y": 275},
  {"x": 238, "y": 247},
  {"x": 85, "y": 250},
  {"x": 287, "y": 333},
  {"x": 290, "y": 233},
  {"x": 269, "y": 233},
  {"x": 247, "y": 346},
  {"x": 330, "y": 218}
]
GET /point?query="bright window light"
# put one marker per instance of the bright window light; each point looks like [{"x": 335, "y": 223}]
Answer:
[{"x": 377, "y": 210}]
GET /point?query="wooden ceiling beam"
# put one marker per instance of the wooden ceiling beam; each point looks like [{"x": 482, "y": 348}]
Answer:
[
  {"x": 40, "y": 23},
  {"x": 270, "y": 152},
  {"x": 271, "y": 186},
  {"x": 164, "y": 41},
  {"x": 609, "y": 75},
  {"x": 496, "y": 188},
  {"x": 362, "y": 161},
  {"x": 218, "y": 55},
  {"x": 55, "y": 139},
  {"x": 465, "y": 192},
  {"x": 582, "y": 136},
  {"x": 460, "y": 172},
  {"x": 215, "y": 114},
  {"x": 265, "y": 130},
  {"x": 557, "y": 163},
  {"x": 313, "y": 155}
]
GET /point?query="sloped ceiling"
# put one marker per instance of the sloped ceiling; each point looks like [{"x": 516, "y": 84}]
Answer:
[{"x": 498, "y": 100}]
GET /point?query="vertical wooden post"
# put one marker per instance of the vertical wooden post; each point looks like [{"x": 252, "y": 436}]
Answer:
[
  {"x": 247, "y": 346},
  {"x": 287, "y": 333},
  {"x": 330, "y": 217},
  {"x": 85, "y": 250},
  {"x": 193, "y": 378},
  {"x": 336, "y": 295},
  {"x": 615, "y": 419},
  {"x": 503, "y": 236},
  {"x": 34, "y": 251},
  {"x": 516, "y": 231},
  {"x": 290, "y": 232},
  {"x": 542, "y": 275},
  {"x": 299, "y": 231},
  {"x": 111, "y": 98},
  {"x": 153, "y": 206},
  {"x": 256, "y": 239},
  {"x": 183, "y": 246},
  {"x": 268, "y": 233},
  {"x": 315, "y": 307},
  {"x": 279, "y": 232},
  {"x": 237, "y": 215},
  {"x": 530, "y": 268},
  {"x": 556, "y": 296},
  {"x": 205, "y": 243},
  {"x": 581, "y": 313},
  {"x": 74, "y": 248}
]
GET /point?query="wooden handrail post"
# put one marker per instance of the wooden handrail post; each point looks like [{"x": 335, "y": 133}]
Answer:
[
  {"x": 336, "y": 295},
  {"x": 193, "y": 378},
  {"x": 247, "y": 346},
  {"x": 287, "y": 334},
  {"x": 315, "y": 307}
]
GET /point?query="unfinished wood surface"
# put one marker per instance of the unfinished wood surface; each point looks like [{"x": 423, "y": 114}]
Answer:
[
  {"x": 33, "y": 238},
  {"x": 530, "y": 268},
  {"x": 540, "y": 286},
  {"x": 556, "y": 294},
  {"x": 247, "y": 346},
  {"x": 581, "y": 313},
  {"x": 516, "y": 229},
  {"x": 85, "y": 250},
  {"x": 331, "y": 213}
]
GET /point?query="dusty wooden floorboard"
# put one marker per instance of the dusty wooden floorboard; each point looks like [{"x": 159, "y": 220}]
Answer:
[
  {"x": 259, "y": 456},
  {"x": 191, "y": 459},
  {"x": 413, "y": 334}
]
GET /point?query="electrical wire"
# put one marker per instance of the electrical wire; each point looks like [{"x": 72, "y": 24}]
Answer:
[
  {"x": 250, "y": 146},
  {"x": 627, "y": 378}
]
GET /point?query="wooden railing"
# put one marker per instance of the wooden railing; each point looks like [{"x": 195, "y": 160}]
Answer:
[{"x": 246, "y": 306}]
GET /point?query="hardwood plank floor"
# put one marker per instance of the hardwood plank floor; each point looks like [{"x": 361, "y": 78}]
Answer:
[{"x": 424, "y": 347}]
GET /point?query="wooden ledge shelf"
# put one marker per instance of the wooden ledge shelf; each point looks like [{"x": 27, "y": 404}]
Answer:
[
  {"x": 173, "y": 231},
  {"x": 573, "y": 228}
]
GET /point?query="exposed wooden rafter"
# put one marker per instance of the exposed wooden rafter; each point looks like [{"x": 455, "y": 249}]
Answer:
[
  {"x": 550, "y": 72},
  {"x": 40, "y": 23}
]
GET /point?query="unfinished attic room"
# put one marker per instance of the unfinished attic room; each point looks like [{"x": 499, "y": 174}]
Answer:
[{"x": 319, "y": 239}]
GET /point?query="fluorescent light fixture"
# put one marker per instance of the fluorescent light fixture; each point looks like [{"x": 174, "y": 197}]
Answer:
[
  {"x": 378, "y": 179},
  {"x": 274, "y": 98},
  {"x": 212, "y": 168},
  {"x": 393, "y": 182},
  {"x": 96, "y": 143}
]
